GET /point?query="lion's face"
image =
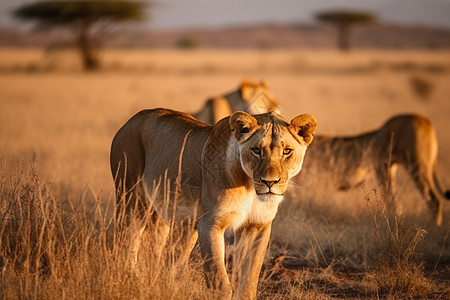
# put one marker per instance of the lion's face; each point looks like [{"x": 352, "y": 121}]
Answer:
[
  {"x": 271, "y": 150},
  {"x": 257, "y": 98}
]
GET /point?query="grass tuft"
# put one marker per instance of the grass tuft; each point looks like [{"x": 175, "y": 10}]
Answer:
[{"x": 398, "y": 269}]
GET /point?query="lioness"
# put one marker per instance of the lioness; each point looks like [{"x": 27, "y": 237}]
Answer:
[
  {"x": 252, "y": 97},
  {"x": 408, "y": 140},
  {"x": 233, "y": 174}
]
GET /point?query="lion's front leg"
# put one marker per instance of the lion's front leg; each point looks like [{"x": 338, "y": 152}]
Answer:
[
  {"x": 251, "y": 243},
  {"x": 212, "y": 246}
]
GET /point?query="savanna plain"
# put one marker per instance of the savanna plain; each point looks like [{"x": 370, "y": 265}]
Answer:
[{"x": 57, "y": 200}]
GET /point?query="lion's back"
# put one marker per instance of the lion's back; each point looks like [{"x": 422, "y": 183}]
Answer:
[
  {"x": 154, "y": 139},
  {"x": 409, "y": 135}
]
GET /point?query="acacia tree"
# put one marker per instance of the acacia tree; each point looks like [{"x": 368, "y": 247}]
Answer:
[
  {"x": 345, "y": 20},
  {"x": 89, "y": 21}
]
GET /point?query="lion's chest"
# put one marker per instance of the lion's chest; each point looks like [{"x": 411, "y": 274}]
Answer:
[{"x": 250, "y": 209}]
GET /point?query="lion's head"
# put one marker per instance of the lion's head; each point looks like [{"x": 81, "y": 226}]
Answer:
[
  {"x": 271, "y": 150},
  {"x": 252, "y": 96},
  {"x": 256, "y": 98}
]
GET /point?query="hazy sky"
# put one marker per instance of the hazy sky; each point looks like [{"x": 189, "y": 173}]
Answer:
[{"x": 174, "y": 14}]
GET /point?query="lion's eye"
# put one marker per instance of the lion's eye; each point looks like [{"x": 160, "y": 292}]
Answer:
[
  {"x": 256, "y": 151},
  {"x": 287, "y": 151}
]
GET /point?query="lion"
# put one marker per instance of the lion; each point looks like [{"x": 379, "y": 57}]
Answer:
[
  {"x": 252, "y": 97},
  {"x": 229, "y": 175},
  {"x": 407, "y": 140}
]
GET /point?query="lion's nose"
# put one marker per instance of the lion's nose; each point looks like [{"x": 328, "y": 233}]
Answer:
[{"x": 270, "y": 183}]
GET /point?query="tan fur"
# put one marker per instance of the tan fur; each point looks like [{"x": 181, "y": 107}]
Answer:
[
  {"x": 252, "y": 97},
  {"x": 232, "y": 174},
  {"x": 407, "y": 140}
]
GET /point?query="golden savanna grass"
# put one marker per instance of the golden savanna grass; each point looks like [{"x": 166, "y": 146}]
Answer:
[{"x": 57, "y": 123}]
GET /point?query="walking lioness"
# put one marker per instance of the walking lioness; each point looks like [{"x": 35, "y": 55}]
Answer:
[
  {"x": 252, "y": 97},
  {"x": 232, "y": 174},
  {"x": 407, "y": 140}
]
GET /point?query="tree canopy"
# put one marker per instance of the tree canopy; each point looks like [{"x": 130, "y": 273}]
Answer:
[
  {"x": 88, "y": 20},
  {"x": 72, "y": 11},
  {"x": 345, "y": 17},
  {"x": 345, "y": 20}
]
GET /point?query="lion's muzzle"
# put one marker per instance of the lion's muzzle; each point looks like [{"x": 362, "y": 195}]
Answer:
[
  {"x": 270, "y": 183},
  {"x": 269, "y": 186}
]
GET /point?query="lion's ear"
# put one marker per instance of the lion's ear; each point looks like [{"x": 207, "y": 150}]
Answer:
[
  {"x": 264, "y": 83},
  {"x": 248, "y": 88},
  {"x": 304, "y": 126},
  {"x": 243, "y": 125}
]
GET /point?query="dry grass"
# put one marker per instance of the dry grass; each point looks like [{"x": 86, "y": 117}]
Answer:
[
  {"x": 53, "y": 247},
  {"x": 56, "y": 217}
]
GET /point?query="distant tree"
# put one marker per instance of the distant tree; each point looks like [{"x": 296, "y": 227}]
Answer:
[
  {"x": 88, "y": 21},
  {"x": 345, "y": 20},
  {"x": 421, "y": 87},
  {"x": 187, "y": 42}
]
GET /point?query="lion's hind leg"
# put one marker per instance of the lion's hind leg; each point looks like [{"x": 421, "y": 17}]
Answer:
[
  {"x": 155, "y": 234},
  {"x": 435, "y": 204},
  {"x": 189, "y": 241},
  {"x": 145, "y": 239},
  {"x": 444, "y": 193},
  {"x": 433, "y": 200},
  {"x": 386, "y": 176},
  {"x": 183, "y": 238},
  {"x": 424, "y": 182}
]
